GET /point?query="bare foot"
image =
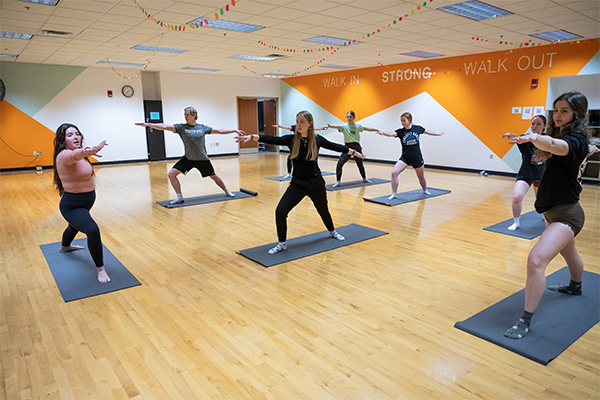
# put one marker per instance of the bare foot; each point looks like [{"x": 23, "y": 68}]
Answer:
[
  {"x": 66, "y": 249},
  {"x": 102, "y": 275}
]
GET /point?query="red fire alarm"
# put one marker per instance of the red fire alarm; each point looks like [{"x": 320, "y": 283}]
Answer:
[
  {"x": 534, "y": 83},
  {"x": 109, "y": 92}
]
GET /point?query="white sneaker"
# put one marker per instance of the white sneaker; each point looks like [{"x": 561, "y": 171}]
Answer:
[
  {"x": 177, "y": 201},
  {"x": 336, "y": 184},
  {"x": 281, "y": 246},
  {"x": 334, "y": 234}
]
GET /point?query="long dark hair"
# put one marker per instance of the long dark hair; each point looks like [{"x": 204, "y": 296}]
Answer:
[
  {"x": 579, "y": 104},
  {"x": 313, "y": 151},
  {"x": 60, "y": 144}
]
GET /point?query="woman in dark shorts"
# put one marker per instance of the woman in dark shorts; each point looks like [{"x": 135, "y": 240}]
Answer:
[
  {"x": 411, "y": 151},
  {"x": 565, "y": 148},
  {"x": 532, "y": 167}
]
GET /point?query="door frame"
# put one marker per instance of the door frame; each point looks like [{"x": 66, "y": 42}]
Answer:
[{"x": 276, "y": 99}]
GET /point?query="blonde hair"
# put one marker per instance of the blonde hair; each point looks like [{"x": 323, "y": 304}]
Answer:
[
  {"x": 407, "y": 115},
  {"x": 313, "y": 151}
]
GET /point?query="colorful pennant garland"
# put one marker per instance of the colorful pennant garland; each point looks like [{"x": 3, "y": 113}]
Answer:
[
  {"x": 284, "y": 75},
  {"x": 522, "y": 44},
  {"x": 349, "y": 42},
  {"x": 332, "y": 49},
  {"x": 182, "y": 27},
  {"x": 149, "y": 60}
]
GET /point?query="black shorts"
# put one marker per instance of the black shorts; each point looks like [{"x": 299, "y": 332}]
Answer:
[
  {"x": 204, "y": 166},
  {"x": 568, "y": 214},
  {"x": 415, "y": 161}
]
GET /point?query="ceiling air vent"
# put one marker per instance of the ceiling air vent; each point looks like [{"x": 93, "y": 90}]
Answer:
[
  {"x": 276, "y": 55},
  {"x": 56, "y": 34}
]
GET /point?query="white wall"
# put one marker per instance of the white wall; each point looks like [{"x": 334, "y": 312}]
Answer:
[
  {"x": 215, "y": 98},
  {"x": 589, "y": 85},
  {"x": 84, "y": 102}
]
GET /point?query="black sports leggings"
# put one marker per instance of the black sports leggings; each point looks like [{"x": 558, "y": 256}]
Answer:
[
  {"x": 296, "y": 191},
  {"x": 75, "y": 208},
  {"x": 344, "y": 157}
]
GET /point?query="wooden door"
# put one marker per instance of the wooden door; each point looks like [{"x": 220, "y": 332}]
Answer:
[
  {"x": 270, "y": 111},
  {"x": 248, "y": 122}
]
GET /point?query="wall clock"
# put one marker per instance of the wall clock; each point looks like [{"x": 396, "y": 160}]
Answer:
[{"x": 127, "y": 91}]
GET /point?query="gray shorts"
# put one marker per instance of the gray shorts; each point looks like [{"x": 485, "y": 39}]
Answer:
[{"x": 569, "y": 214}]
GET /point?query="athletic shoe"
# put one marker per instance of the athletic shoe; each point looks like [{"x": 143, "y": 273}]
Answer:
[
  {"x": 281, "y": 246},
  {"x": 336, "y": 235}
]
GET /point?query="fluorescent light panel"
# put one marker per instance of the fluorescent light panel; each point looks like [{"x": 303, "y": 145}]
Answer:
[
  {"x": 252, "y": 58},
  {"x": 421, "y": 54},
  {"x": 329, "y": 40},
  {"x": 161, "y": 49},
  {"x": 9, "y": 55},
  {"x": 556, "y": 36},
  {"x": 120, "y": 63},
  {"x": 201, "y": 69},
  {"x": 227, "y": 25},
  {"x": 336, "y": 66},
  {"x": 475, "y": 10},
  {"x": 46, "y": 2},
  {"x": 15, "y": 35}
]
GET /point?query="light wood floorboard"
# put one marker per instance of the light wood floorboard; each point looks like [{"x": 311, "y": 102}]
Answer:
[{"x": 373, "y": 320}]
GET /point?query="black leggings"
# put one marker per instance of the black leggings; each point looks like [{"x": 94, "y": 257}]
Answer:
[
  {"x": 344, "y": 157},
  {"x": 296, "y": 191},
  {"x": 75, "y": 208},
  {"x": 289, "y": 164}
]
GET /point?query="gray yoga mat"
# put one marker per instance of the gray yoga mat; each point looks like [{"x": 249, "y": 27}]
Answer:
[
  {"x": 559, "y": 320},
  {"x": 282, "y": 178},
  {"x": 211, "y": 198},
  {"x": 308, "y": 245},
  {"x": 75, "y": 273},
  {"x": 355, "y": 184},
  {"x": 407, "y": 197},
  {"x": 532, "y": 226}
]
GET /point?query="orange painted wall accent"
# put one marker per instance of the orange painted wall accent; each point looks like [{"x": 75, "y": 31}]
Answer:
[
  {"x": 481, "y": 101},
  {"x": 25, "y": 135}
]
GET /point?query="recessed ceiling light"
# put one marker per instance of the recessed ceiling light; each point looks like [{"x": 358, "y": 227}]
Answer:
[
  {"x": 330, "y": 40},
  {"x": 201, "y": 69},
  {"x": 161, "y": 49},
  {"x": 252, "y": 58},
  {"x": 475, "y": 10},
  {"x": 227, "y": 25},
  {"x": 120, "y": 63},
  {"x": 46, "y": 2},
  {"x": 556, "y": 36},
  {"x": 336, "y": 66},
  {"x": 15, "y": 35},
  {"x": 421, "y": 54}
]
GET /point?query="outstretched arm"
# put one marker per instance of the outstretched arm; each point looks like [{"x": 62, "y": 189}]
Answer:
[
  {"x": 366, "y": 128},
  {"x": 226, "y": 131},
  {"x": 388, "y": 134},
  {"x": 434, "y": 133},
  {"x": 542, "y": 142},
  {"x": 160, "y": 127},
  {"x": 287, "y": 127},
  {"x": 592, "y": 148},
  {"x": 334, "y": 126},
  {"x": 72, "y": 156}
]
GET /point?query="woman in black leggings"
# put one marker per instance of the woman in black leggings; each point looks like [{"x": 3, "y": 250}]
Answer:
[
  {"x": 306, "y": 175},
  {"x": 73, "y": 178}
]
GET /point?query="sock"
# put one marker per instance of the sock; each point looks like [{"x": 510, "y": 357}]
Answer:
[
  {"x": 521, "y": 328},
  {"x": 179, "y": 196},
  {"x": 573, "y": 288},
  {"x": 516, "y": 224},
  {"x": 228, "y": 193}
]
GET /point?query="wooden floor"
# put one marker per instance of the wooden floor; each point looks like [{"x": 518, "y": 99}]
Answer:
[{"x": 373, "y": 320}]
